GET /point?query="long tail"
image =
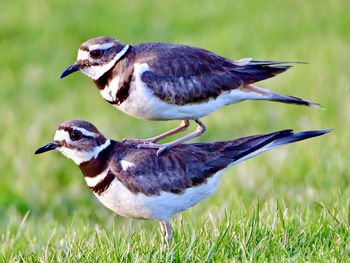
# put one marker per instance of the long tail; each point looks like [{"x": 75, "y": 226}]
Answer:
[
  {"x": 248, "y": 147},
  {"x": 295, "y": 137},
  {"x": 251, "y": 71},
  {"x": 238, "y": 150},
  {"x": 253, "y": 92},
  {"x": 245, "y": 148}
]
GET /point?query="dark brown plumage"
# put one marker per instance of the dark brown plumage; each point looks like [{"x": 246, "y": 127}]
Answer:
[
  {"x": 137, "y": 183},
  {"x": 163, "y": 81},
  {"x": 182, "y": 74},
  {"x": 181, "y": 167}
]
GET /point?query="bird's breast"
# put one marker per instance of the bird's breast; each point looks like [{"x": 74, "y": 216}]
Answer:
[{"x": 109, "y": 93}]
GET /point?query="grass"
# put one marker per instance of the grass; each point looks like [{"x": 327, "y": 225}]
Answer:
[
  {"x": 260, "y": 232},
  {"x": 291, "y": 204}
]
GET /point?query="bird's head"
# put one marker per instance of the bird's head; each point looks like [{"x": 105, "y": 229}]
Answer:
[
  {"x": 96, "y": 56},
  {"x": 77, "y": 140}
]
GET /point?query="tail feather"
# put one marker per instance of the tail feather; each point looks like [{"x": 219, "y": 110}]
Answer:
[
  {"x": 229, "y": 153},
  {"x": 251, "y": 62},
  {"x": 247, "y": 147},
  {"x": 251, "y": 71},
  {"x": 269, "y": 63},
  {"x": 293, "y": 100},
  {"x": 299, "y": 136},
  {"x": 256, "y": 93},
  {"x": 255, "y": 73}
]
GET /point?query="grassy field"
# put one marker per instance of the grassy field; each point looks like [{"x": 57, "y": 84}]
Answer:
[{"x": 291, "y": 204}]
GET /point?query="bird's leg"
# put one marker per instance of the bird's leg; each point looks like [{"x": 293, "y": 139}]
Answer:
[
  {"x": 134, "y": 141},
  {"x": 166, "y": 231},
  {"x": 198, "y": 132},
  {"x": 162, "y": 147},
  {"x": 183, "y": 126}
]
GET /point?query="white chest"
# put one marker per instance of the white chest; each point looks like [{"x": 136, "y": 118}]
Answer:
[{"x": 110, "y": 91}]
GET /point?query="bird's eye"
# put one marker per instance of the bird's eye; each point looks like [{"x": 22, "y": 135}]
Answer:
[
  {"x": 75, "y": 135},
  {"x": 96, "y": 54}
]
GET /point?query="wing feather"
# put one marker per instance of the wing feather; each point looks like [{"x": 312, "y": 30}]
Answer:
[
  {"x": 183, "y": 166},
  {"x": 182, "y": 74}
]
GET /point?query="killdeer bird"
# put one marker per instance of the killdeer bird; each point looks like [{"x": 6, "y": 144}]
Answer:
[
  {"x": 161, "y": 81},
  {"x": 136, "y": 183}
]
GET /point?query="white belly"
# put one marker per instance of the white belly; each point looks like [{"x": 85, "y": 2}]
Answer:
[
  {"x": 143, "y": 104},
  {"x": 119, "y": 199}
]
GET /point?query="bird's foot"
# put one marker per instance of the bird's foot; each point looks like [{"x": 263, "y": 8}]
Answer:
[
  {"x": 162, "y": 149},
  {"x": 136, "y": 141},
  {"x": 150, "y": 145}
]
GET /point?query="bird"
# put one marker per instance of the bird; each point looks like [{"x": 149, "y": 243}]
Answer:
[
  {"x": 164, "y": 81},
  {"x": 134, "y": 182}
]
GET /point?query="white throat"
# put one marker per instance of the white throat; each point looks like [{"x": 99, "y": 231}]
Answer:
[
  {"x": 97, "y": 71},
  {"x": 83, "y": 156}
]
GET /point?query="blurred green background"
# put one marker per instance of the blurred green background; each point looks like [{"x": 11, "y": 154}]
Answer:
[{"x": 39, "y": 39}]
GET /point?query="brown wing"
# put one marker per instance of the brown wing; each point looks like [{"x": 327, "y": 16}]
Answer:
[
  {"x": 183, "y": 166},
  {"x": 183, "y": 74},
  {"x": 174, "y": 171}
]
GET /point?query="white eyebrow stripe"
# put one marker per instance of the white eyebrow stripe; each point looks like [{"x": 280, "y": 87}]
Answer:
[
  {"x": 101, "y": 46},
  {"x": 85, "y": 132}
]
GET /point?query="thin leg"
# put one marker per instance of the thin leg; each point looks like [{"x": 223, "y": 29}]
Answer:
[
  {"x": 198, "y": 132},
  {"x": 166, "y": 231},
  {"x": 162, "y": 147},
  {"x": 183, "y": 126}
]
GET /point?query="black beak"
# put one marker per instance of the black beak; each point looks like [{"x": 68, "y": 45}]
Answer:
[
  {"x": 48, "y": 147},
  {"x": 70, "y": 70}
]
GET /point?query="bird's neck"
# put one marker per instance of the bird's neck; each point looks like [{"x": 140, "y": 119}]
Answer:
[
  {"x": 114, "y": 85},
  {"x": 103, "y": 81},
  {"x": 98, "y": 164}
]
